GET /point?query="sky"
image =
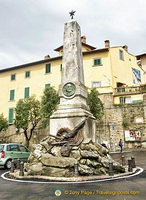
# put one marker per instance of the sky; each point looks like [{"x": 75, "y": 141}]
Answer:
[{"x": 31, "y": 29}]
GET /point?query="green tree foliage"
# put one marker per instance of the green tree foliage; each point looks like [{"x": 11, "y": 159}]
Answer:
[
  {"x": 27, "y": 116},
  {"x": 49, "y": 103},
  {"x": 3, "y": 123},
  {"x": 95, "y": 104}
]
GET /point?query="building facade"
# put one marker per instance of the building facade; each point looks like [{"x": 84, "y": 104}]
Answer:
[{"x": 112, "y": 70}]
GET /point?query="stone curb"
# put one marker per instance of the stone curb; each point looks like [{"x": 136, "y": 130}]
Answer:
[{"x": 15, "y": 175}]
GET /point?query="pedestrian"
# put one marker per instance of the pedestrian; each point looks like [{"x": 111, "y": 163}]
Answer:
[{"x": 121, "y": 144}]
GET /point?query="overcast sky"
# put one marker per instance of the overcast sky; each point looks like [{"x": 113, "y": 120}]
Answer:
[{"x": 31, "y": 29}]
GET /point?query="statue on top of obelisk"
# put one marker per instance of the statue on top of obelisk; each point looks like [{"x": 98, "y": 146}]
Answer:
[{"x": 72, "y": 91}]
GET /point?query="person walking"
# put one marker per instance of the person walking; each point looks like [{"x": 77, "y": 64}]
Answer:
[{"x": 121, "y": 144}]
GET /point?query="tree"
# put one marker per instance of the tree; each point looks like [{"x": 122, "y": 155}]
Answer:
[
  {"x": 27, "y": 116},
  {"x": 49, "y": 103},
  {"x": 3, "y": 123},
  {"x": 95, "y": 104}
]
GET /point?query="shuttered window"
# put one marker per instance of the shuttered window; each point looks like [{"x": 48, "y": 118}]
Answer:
[
  {"x": 48, "y": 68},
  {"x": 12, "y": 93},
  {"x": 47, "y": 85},
  {"x": 97, "y": 62},
  {"x": 27, "y": 74},
  {"x": 26, "y": 92},
  {"x": 13, "y": 77},
  {"x": 11, "y": 113}
]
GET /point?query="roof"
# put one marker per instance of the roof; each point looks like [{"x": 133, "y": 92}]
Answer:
[
  {"x": 49, "y": 60},
  {"x": 140, "y": 55},
  {"x": 87, "y": 45},
  {"x": 31, "y": 64}
]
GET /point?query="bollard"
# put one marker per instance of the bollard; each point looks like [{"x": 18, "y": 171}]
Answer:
[
  {"x": 21, "y": 173},
  {"x": 111, "y": 173},
  {"x": 12, "y": 166},
  {"x": 76, "y": 169},
  {"x": 18, "y": 164},
  {"x": 130, "y": 169},
  {"x": 123, "y": 160},
  {"x": 133, "y": 162}
]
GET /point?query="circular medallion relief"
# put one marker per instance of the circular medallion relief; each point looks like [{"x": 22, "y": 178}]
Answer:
[{"x": 69, "y": 89}]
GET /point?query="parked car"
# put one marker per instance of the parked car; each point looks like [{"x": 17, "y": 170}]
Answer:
[{"x": 13, "y": 151}]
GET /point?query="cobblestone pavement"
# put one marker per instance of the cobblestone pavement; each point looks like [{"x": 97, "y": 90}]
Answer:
[{"x": 133, "y": 188}]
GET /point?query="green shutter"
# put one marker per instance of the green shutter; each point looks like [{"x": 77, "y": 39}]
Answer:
[
  {"x": 12, "y": 92},
  {"x": 11, "y": 112},
  {"x": 97, "y": 61},
  {"x": 13, "y": 77},
  {"x": 61, "y": 67},
  {"x": 26, "y": 93},
  {"x": 27, "y": 74},
  {"x": 47, "y": 85},
  {"x": 48, "y": 68}
]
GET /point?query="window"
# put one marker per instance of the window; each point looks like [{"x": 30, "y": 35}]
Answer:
[
  {"x": 27, "y": 74},
  {"x": 97, "y": 62},
  {"x": 12, "y": 147},
  {"x": 127, "y": 99},
  {"x": 47, "y": 85},
  {"x": 121, "y": 55},
  {"x": 48, "y": 68},
  {"x": 96, "y": 84},
  {"x": 61, "y": 67},
  {"x": 13, "y": 77},
  {"x": 12, "y": 93},
  {"x": 23, "y": 149},
  {"x": 124, "y": 100},
  {"x": 11, "y": 113},
  {"x": 26, "y": 92}
]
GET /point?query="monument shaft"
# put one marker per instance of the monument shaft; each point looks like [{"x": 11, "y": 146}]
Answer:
[
  {"x": 73, "y": 94},
  {"x": 72, "y": 68}
]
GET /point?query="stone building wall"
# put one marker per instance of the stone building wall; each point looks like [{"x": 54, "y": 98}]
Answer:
[
  {"x": 117, "y": 119},
  {"x": 108, "y": 130}
]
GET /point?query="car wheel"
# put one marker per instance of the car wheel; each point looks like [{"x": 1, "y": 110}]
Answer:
[{"x": 8, "y": 164}]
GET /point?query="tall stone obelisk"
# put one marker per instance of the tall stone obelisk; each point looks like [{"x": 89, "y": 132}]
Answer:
[{"x": 72, "y": 91}]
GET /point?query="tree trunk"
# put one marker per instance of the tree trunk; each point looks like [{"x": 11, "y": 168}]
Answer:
[{"x": 26, "y": 139}]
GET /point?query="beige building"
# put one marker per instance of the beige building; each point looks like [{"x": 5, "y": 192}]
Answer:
[
  {"x": 142, "y": 62},
  {"x": 112, "y": 70}
]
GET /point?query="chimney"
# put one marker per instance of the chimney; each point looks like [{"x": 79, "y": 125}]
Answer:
[
  {"x": 125, "y": 47},
  {"x": 46, "y": 57},
  {"x": 83, "y": 39},
  {"x": 107, "y": 43}
]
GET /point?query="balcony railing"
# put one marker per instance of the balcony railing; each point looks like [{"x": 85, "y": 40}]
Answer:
[{"x": 130, "y": 90}]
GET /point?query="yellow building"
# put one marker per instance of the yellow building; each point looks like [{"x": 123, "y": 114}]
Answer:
[{"x": 112, "y": 70}]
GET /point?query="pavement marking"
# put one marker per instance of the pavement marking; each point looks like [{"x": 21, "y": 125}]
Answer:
[{"x": 94, "y": 181}]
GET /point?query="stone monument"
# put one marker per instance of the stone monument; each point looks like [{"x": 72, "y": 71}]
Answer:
[
  {"x": 69, "y": 151},
  {"x": 72, "y": 91}
]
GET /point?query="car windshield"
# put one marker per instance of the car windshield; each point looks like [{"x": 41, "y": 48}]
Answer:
[{"x": 1, "y": 148}]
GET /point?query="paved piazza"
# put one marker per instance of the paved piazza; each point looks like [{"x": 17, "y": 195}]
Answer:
[{"x": 124, "y": 189}]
